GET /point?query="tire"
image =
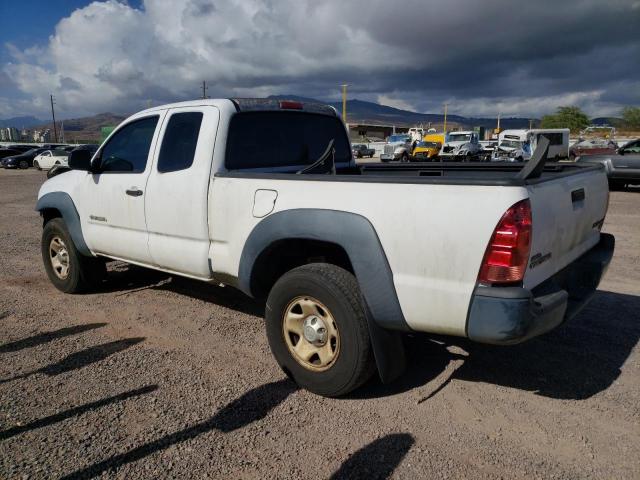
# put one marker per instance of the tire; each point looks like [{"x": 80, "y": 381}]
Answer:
[
  {"x": 23, "y": 164},
  {"x": 404, "y": 158},
  {"x": 82, "y": 274},
  {"x": 37, "y": 165},
  {"x": 347, "y": 344}
]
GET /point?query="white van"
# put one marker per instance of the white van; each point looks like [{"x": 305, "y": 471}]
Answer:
[{"x": 518, "y": 145}]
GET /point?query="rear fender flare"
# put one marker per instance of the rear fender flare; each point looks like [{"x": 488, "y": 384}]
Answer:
[{"x": 353, "y": 233}]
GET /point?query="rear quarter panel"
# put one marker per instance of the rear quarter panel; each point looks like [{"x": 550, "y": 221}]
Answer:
[{"x": 434, "y": 236}]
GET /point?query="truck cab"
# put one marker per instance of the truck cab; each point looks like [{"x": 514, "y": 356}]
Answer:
[{"x": 461, "y": 146}]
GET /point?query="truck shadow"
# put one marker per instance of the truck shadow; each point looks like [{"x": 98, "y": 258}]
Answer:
[
  {"x": 377, "y": 460},
  {"x": 253, "y": 406},
  {"x": 574, "y": 362},
  {"x": 124, "y": 279},
  {"x": 81, "y": 359}
]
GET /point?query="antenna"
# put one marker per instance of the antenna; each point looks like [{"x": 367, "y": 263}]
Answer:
[{"x": 204, "y": 89}]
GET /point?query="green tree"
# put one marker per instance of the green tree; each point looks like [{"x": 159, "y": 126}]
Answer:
[
  {"x": 631, "y": 117},
  {"x": 566, "y": 117}
]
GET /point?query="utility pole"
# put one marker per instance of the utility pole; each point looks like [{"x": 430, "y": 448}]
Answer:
[
  {"x": 444, "y": 128},
  {"x": 530, "y": 124},
  {"x": 204, "y": 89},
  {"x": 344, "y": 102},
  {"x": 498, "y": 127},
  {"x": 53, "y": 114}
]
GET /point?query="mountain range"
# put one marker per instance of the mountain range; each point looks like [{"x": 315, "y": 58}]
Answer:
[
  {"x": 21, "y": 122},
  {"x": 358, "y": 111}
]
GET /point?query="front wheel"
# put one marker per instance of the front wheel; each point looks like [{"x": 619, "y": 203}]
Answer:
[
  {"x": 68, "y": 269},
  {"x": 37, "y": 165},
  {"x": 23, "y": 164},
  {"x": 404, "y": 158},
  {"x": 317, "y": 329}
]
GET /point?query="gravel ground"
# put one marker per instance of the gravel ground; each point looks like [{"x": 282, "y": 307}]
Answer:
[{"x": 158, "y": 376}]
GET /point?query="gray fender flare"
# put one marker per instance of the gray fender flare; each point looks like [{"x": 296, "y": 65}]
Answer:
[
  {"x": 355, "y": 234},
  {"x": 64, "y": 204}
]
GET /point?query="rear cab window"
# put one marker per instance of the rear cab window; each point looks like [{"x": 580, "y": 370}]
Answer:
[
  {"x": 180, "y": 141},
  {"x": 283, "y": 141}
]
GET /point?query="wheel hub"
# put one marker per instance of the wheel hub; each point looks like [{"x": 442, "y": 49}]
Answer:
[
  {"x": 314, "y": 330},
  {"x": 59, "y": 257}
]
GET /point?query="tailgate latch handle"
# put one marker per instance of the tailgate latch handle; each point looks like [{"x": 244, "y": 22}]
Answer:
[{"x": 577, "y": 195}]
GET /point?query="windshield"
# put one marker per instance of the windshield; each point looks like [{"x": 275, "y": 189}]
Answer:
[
  {"x": 428, "y": 144},
  {"x": 459, "y": 137},
  {"x": 510, "y": 144},
  {"x": 398, "y": 138}
]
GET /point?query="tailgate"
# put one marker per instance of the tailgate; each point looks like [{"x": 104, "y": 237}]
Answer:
[{"x": 567, "y": 214}]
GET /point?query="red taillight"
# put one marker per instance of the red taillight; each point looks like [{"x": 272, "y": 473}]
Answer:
[
  {"x": 290, "y": 105},
  {"x": 507, "y": 254}
]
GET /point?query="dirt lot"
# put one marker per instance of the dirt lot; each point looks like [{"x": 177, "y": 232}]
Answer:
[{"x": 163, "y": 377}]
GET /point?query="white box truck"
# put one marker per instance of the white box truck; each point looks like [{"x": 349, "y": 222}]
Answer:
[{"x": 518, "y": 145}]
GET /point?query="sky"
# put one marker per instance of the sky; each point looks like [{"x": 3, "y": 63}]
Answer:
[{"x": 519, "y": 58}]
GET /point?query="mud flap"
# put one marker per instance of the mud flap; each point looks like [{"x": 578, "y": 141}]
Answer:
[{"x": 388, "y": 350}]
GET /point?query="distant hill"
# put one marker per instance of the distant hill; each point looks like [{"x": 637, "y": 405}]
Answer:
[
  {"x": 87, "y": 128},
  {"x": 369, "y": 112},
  {"x": 20, "y": 122}
]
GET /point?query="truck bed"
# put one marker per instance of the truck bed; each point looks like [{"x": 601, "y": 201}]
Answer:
[{"x": 451, "y": 173}]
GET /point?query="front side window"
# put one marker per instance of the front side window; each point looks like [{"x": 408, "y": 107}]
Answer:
[
  {"x": 128, "y": 148},
  {"x": 283, "y": 141},
  {"x": 179, "y": 142}
]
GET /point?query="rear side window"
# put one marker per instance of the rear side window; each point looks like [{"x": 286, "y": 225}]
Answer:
[
  {"x": 179, "y": 142},
  {"x": 283, "y": 140},
  {"x": 128, "y": 149}
]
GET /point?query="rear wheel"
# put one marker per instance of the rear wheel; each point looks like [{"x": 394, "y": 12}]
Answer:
[
  {"x": 317, "y": 329},
  {"x": 68, "y": 269}
]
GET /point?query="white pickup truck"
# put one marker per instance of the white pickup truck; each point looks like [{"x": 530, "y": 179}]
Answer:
[{"x": 264, "y": 195}]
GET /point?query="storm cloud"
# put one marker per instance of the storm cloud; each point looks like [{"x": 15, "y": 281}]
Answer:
[{"x": 520, "y": 58}]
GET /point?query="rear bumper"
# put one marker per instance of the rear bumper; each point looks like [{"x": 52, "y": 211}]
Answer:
[{"x": 510, "y": 315}]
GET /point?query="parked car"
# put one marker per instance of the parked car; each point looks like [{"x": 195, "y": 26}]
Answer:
[
  {"x": 9, "y": 152},
  {"x": 622, "y": 167},
  {"x": 258, "y": 194},
  {"x": 20, "y": 148},
  {"x": 49, "y": 158},
  {"x": 593, "y": 146},
  {"x": 463, "y": 146},
  {"x": 426, "y": 151},
  {"x": 398, "y": 147},
  {"x": 23, "y": 160},
  {"x": 360, "y": 150}
]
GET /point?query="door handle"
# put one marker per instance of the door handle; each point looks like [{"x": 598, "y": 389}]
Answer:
[{"x": 134, "y": 192}]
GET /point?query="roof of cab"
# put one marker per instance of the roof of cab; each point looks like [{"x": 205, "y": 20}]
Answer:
[{"x": 251, "y": 104}]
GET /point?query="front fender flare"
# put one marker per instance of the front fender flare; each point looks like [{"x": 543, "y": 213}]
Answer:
[{"x": 64, "y": 204}]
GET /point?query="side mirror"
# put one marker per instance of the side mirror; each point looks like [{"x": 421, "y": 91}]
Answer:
[{"x": 80, "y": 160}]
